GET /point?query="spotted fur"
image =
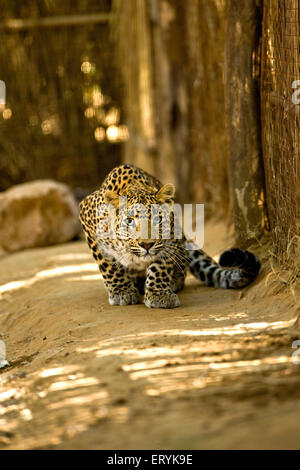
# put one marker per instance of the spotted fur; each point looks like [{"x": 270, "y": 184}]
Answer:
[{"x": 156, "y": 268}]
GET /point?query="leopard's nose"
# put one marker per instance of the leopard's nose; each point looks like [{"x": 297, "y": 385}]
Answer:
[{"x": 147, "y": 246}]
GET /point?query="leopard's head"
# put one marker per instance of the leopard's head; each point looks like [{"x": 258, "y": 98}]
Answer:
[{"x": 143, "y": 223}]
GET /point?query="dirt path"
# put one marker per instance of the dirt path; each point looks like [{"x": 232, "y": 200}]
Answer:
[{"x": 215, "y": 373}]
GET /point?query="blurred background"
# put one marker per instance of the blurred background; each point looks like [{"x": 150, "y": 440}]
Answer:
[
  {"x": 63, "y": 114},
  {"x": 197, "y": 93}
]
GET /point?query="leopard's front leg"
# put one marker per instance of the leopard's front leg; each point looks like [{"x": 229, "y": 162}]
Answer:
[
  {"x": 120, "y": 287},
  {"x": 158, "y": 287}
]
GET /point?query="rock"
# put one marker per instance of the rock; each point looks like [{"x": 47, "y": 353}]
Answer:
[
  {"x": 3, "y": 363},
  {"x": 38, "y": 213}
]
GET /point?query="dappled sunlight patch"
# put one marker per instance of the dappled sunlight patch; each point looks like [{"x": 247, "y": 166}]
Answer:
[
  {"x": 183, "y": 371},
  {"x": 68, "y": 269},
  {"x": 15, "y": 285},
  {"x": 48, "y": 274},
  {"x": 229, "y": 316},
  {"x": 174, "y": 371},
  {"x": 26, "y": 414},
  {"x": 73, "y": 382},
  {"x": 177, "y": 361},
  {"x": 171, "y": 386},
  {"x": 249, "y": 365},
  {"x": 57, "y": 371},
  {"x": 56, "y": 403},
  {"x": 239, "y": 329},
  {"x": 103, "y": 349},
  {"x": 203, "y": 376},
  {"x": 139, "y": 353},
  {"x": 79, "y": 400},
  {"x": 145, "y": 365},
  {"x": 7, "y": 394}
]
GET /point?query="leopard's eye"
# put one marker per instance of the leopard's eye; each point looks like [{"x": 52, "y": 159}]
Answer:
[
  {"x": 156, "y": 220},
  {"x": 131, "y": 223}
]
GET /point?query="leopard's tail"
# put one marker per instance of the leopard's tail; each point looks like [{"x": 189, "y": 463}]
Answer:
[{"x": 236, "y": 268}]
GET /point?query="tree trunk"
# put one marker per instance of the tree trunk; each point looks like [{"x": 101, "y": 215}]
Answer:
[{"x": 242, "y": 109}]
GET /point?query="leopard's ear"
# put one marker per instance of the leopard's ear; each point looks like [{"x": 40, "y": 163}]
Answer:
[
  {"x": 111, "y": 197},
  {"x": 166, "y": 194}
]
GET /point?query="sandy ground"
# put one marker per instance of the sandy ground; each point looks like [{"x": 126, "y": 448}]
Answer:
[{"x": 215, "y": 373}]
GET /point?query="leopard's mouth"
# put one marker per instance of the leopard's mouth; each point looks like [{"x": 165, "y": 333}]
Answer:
[
  {"x": 144, "y": 255},
  {"x": 147, "y": 257}
]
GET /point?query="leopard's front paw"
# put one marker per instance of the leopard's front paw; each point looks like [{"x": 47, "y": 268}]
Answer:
[
  {"x": 128, "y": 297},
  {"x": 161, "y": 299}
]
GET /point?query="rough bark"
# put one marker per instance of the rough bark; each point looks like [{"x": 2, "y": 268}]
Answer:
[
  {"x": 242, "y": 104},
  {"x": 280, "y": 125}
]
